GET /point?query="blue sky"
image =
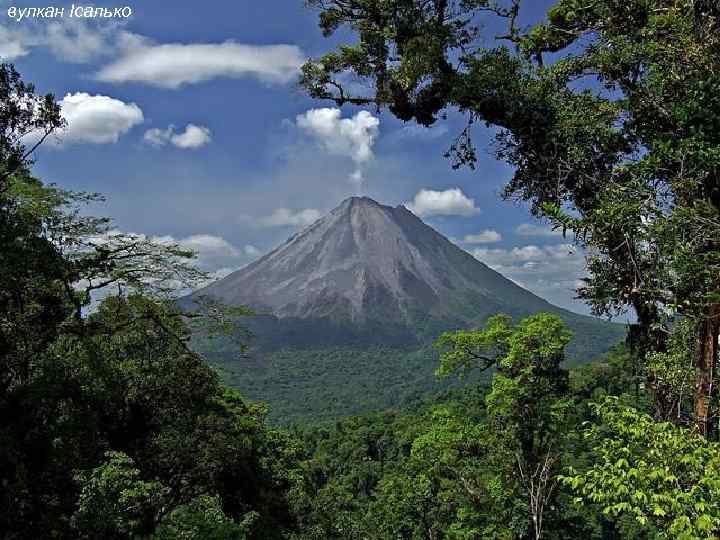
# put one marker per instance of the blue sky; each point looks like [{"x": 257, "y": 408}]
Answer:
[{"x": 187, "y": 117}]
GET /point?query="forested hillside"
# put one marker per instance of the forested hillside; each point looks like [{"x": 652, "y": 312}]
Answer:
[
  {"x": 112, "y": 427},
  {"x": 308, "y": 385},
  {"x": 329, "y": 383},
  {"x": 443, "y": 469}
]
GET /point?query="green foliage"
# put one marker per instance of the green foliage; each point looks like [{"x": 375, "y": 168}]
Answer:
[
  {"x": 114, "y": 501},
  {"x": 175, "y": 435},
  {"x": 614, "y": 373},
  {"x": 325, "y": 383},
  {"x": 394, "y": 474},
  {"x": 111, "y": 425},
  {"x": 528, "y": 360},
  {"x": 467, "y": 350},
  {"x": 450, "y": 469},
  {"x": 527, "y": 406},
  {"x": 665, "y": 477},
  {"x": 203, "y": 518},
  {"x": 24, "y": 111},
  {"x": 445, "y": 468},
  {"x": 672, "y": 374}
]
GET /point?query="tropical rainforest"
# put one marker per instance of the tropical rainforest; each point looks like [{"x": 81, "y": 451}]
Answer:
[{"x": 112, "y": 426}]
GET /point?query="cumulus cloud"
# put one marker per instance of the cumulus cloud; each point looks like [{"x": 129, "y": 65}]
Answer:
[
  {"x": 552, "y": 272},
  {"x": 175, "y": 64},
  {"x": 214, "y": 254},
  {"x": 283, "y": 217},
  {"x": 350, "y": 137},
  {"x": 208, "y": 245},
  {"x": 530, "y": 229},
  {"x": 451, "y": 202},
  {"x": 159, "y": 137},
  {"x": 353, "y": 137},
  {"x": 94, "y": 119},
  {"x": 488, "y": 236},
  {"x": 193, "y": 137}
]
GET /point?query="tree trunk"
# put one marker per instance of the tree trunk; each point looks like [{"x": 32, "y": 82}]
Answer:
[{"x": 706, "y": 355}]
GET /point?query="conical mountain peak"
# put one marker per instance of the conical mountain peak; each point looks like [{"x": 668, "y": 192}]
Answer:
[
  {"x": 379, "y": 272},
  {"x": 365, "y": 203},
  {"x": 361, "y": 260},
  {"x": 359, "y": 200}
]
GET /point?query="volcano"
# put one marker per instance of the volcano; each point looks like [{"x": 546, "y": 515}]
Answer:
[
  {"x": 372, "y": 273},
  {"x": 369, "y": 275}
]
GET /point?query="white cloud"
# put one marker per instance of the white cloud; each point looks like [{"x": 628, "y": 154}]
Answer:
[
  {"x": 488, "y": 236},
  {"x": 451, "y": 202},
  {"x": 552, "y": 272},
  {"x": 139, "y": 59},
  {"x": 349, "y": 137},
  {"x": 209, "y": 245},
  {"x": 283, "y": 217},
  {"x": 530, "y": 229},
  {"x": 251, "y": 251},
  {"x": 13, "y": 44},
  {"x": 527, "y": 253},
  {"x": 94, "y": 119},
  {"x": 193, "y": 136},
  {"x": 215, "y": 255},
  {"x": 174, "y": 64},
  {"x": 415, "y": 131},
  {"x": 530, "y": 253},
  {"x": 73, "y": 40},
  {"x": 353, "y": 137},
  {"x": 158, "y": 137}
]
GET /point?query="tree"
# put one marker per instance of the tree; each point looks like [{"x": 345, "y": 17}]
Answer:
[
  {"x": 115, "y": 502},
  {"x": 47, "y": 377},
  {"x": 111, "y": 425},
  {"x": 527, "y": 405},
  {"x": 24, "y": 115},
  {"x": 33, "y": 306},
  {"x": 663, "y": 476},
  {"x": 672, "y": 372},
  {"x": 616, "y": 139},
  {"x": 203, "y": 518}
]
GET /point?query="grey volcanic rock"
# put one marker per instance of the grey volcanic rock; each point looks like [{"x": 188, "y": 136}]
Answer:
[
  {"x": 369, "y": 273},
  {"x": 360, "y": 255}
]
